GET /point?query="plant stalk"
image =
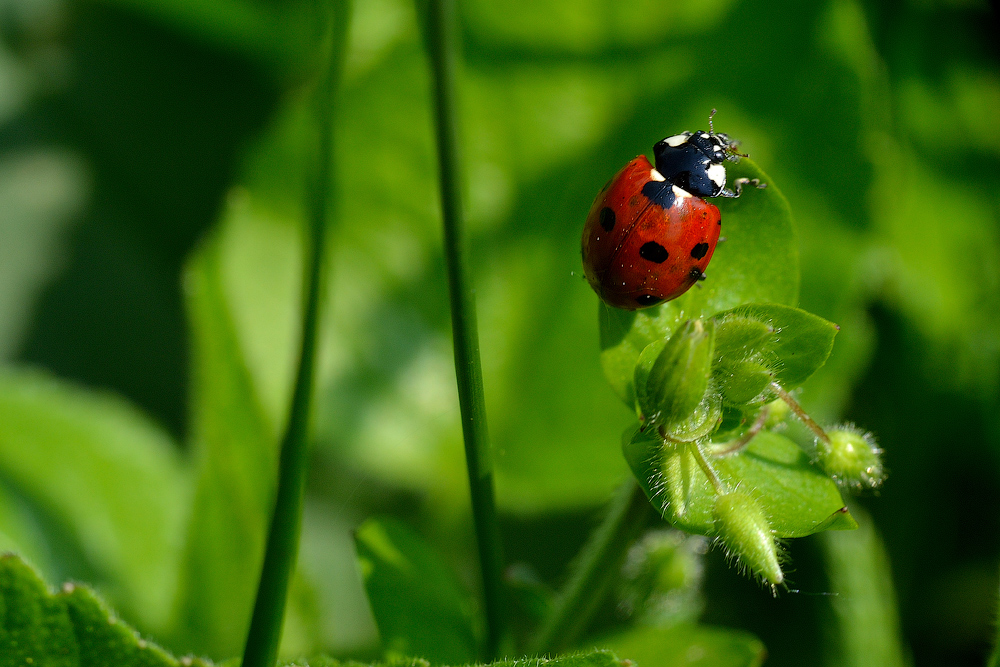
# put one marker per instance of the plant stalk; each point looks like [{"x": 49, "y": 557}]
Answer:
[
  {"x": 443, "y": 46},
  {"x": 725, "y": 449},
  {"x": 800, "y": 413},
  {"x": 706, "y": 467},
  {"x": 264, "y": 635},
  {"x": 595, "y": 569}
]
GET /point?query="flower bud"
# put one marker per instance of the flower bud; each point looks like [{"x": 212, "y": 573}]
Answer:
[
  {"x": 746, "y": 532},
  {"x": 743, "y": 382},
  {"x": 851, "y": 457},
  {"x": 678, "y": 379},
  {"x": 740, "y": 337}
]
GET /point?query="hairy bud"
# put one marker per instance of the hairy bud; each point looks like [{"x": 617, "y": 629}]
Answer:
[
  {"x": 851, "y": 457},
  {"x": 746, "y": 532},
  {"x": 678, "y": 379}
]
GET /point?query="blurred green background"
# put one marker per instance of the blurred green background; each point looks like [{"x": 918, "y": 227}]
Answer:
[{"x": 152, "y": 161}]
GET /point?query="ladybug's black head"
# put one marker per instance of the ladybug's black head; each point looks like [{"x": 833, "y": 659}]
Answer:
[{"x": 693, "y": 161}]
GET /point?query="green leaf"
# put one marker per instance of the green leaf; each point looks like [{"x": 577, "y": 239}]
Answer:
[
  {"x": 797, "y": 498},
  {"x": 865, "y": 611},
  {"x": 598, "y": 658},
  {"x": 72, "y": 628},
  {"x": 419, "y": 606},
  {"x": 653, "y": 646},
  {"x": 111, "y": 480},
  {"x": 800, "y": 344},
  {"x": 758, "y": 262},
  {"x": 234, "y": 449}
]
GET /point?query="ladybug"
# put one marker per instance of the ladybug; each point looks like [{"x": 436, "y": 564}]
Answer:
[{"x": 650, "y": 234}]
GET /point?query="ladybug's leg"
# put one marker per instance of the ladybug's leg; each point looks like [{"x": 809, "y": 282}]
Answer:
[{"x": 738, "y": 187}]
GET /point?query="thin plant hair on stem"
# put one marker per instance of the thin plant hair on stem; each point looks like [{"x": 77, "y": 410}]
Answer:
[
  {"x": 442, "y": 41},
  {"x": 264, "y": 634}
]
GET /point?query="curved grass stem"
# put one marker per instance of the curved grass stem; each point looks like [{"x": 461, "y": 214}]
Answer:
[
  {"x": 442, "y": 43},
  {"x": 264, "y": 635}
]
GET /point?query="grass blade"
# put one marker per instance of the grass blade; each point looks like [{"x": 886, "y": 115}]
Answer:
[
  {"x": 283, "y": 536},
  {"x": 442, "y": 44}
]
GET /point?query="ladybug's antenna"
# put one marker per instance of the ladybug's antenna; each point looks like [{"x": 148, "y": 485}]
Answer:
[{"x": 711, "y": 128}]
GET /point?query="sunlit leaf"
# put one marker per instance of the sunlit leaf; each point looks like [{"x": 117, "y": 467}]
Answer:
[
  {"x": 797, "y": 498},
  {"x": 111, "y": 478},
  {"x": 800, "y": 344}
]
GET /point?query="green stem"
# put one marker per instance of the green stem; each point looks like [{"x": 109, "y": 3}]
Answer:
[
  {"x": 595, "y": 569},
  {"x": 800, "y": 413},
  {"x": 264, "y": 635},
  {"x": 706, "y": 467},
  {"x": 442, "y": 42},
  {"x": 733, "y": 446}
]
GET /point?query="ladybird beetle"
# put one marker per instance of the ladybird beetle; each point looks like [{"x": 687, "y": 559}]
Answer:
[{"x": 650, "y": 234}]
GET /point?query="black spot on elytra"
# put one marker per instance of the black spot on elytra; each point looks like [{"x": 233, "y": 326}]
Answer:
[
  {"x": 659, "y": 192},
  {"x": 654, "y": 252},
  {"x": 607, "y": 219},
  {"x": 699, "y": 250},
  {"x": 647, "y": 300}
]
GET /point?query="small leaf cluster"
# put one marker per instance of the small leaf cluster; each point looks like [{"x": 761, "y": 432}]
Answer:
[
  {"x": 709, "y": 395},
  {"x": 703, "y": 452}
]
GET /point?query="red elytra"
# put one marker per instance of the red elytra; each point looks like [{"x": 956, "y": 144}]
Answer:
[{"x": 636, "y": 253}]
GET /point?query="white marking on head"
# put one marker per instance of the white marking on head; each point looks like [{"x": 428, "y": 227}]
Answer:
[
  {"x": 676, "y": 140},
  {"x": 680, "y": 194},
  {"x": 705, "y": 135},
  {"x": 656, "y": 176},
  {"x": 717, "y": 173}
]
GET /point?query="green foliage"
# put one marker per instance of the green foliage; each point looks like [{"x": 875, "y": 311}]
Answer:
[
  {"x": 676, "y": 381},
  {"x": 661, "y": 647},
  {"x": 71, "y": 628},
  {"x": 860, "y": 577},
  {"x": 420, "y": 609},
  {"x": 797, "y": 498},
  {"x": 235, "y": 456},
  {"x": 747, "y": 534},
  {"x": 74, "y": 628},
  {"x": 851, "y": 457},
  {"x": 110, "y": 483},
  {"x": 796, "y": 343},
  {"x": 173, "y": 111},
  {"x": 591, "y": 659}
]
